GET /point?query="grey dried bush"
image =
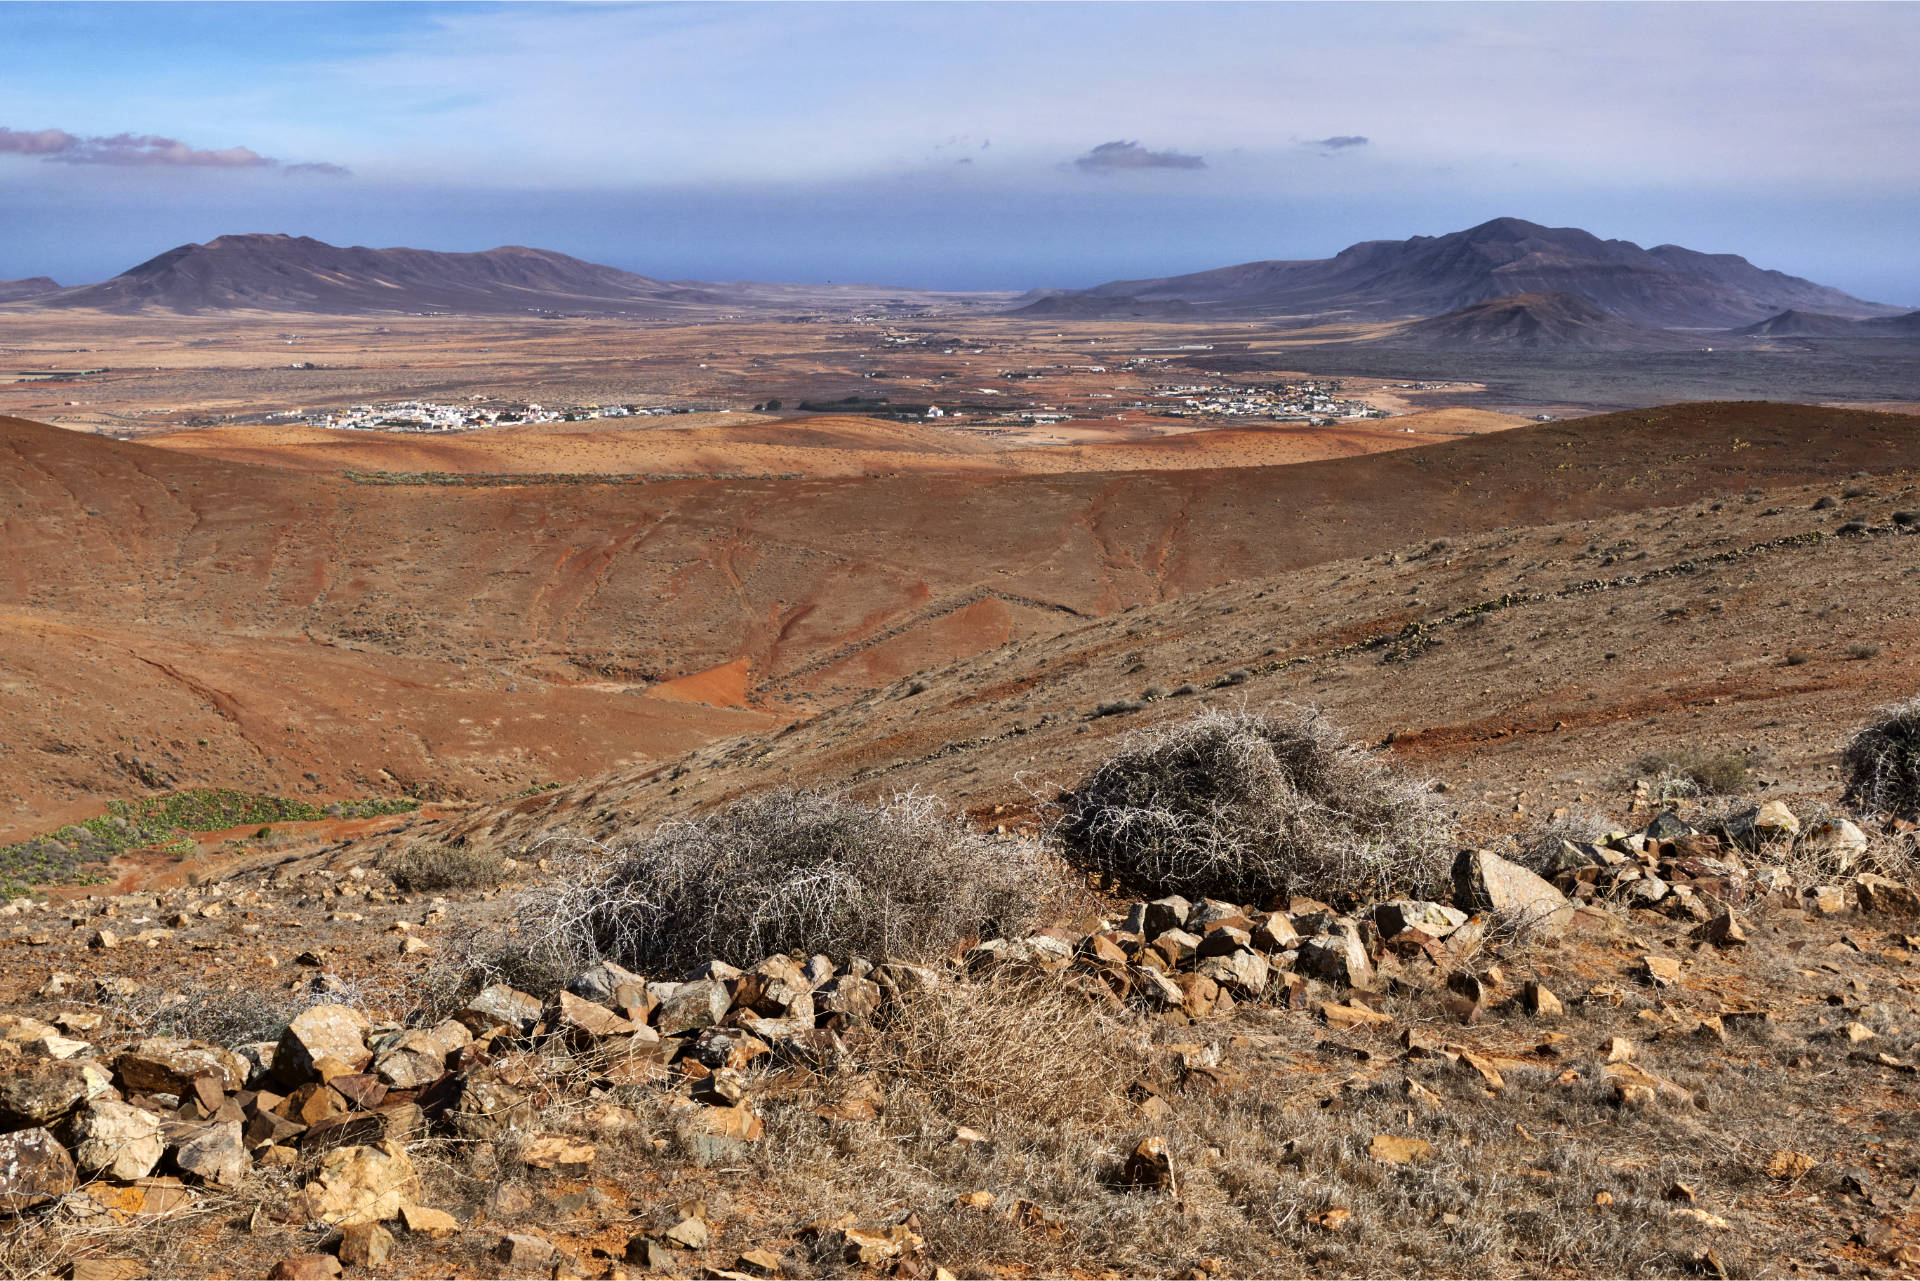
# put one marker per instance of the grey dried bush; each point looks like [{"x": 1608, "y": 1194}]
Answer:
[
  {"x": 1674, "y": 774},
  {"x": 1882, "y": 762},
  {"x": 788, "y": 871},
  {"x": 1249, "y": 807},
  {"x": 427, "y": 866},
  {"x": 1024, "y": 1051}
]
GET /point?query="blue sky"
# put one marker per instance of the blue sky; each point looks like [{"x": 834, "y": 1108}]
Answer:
[{"x": 960, "y": 145}]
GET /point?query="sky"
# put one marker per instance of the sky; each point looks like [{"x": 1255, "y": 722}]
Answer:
[{"x": 960, "y": 146}]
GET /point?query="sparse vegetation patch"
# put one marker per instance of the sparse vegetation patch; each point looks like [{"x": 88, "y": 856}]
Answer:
[
  {"x": 791, "y": 871},
  {"x": 1248, "y": 807},
  {"x": 1882, "y": 763}
]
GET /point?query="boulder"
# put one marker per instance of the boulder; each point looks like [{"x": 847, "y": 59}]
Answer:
[
  {"x": 587, "y": 1023},
  {"x": 362, "y": 1185},
  {"x": 167, "y": 1065},
  {"x": 337, "y": 1032},
  {"x": 117, "y": 1140},
  {"x": 34, "y": 1169},
  {"x": 1764, "y": 824},
  {"x": 1337, "y": 955},
  {"x": 419, "y": 1056},
  {"x": 525, "y": 1252},
  {"x": 488, "y": 1106},
  {"x": 365, "y": 1245},
  {"x": 1244, "y": 973},
  {"x": 695, "y": 1005},
  {"x": 41, "y": 1091},
  {"x": 502, "y": 1006},
  {"x": 214, "y": 1154},
  {"x": 1436, "y": 920},
  {"x": 1876, "y": 893},
  {"x": 603, "y": 982},
  {"x": 1485, "y": 882},
  {"x": 852, "y": 1000}
]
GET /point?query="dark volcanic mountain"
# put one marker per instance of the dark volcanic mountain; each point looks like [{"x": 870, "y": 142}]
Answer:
[
  {"x": 1535, "y": 322},
  {"x": 1804, "y": 324},
  {"x": 1431, "y": 275},
  {"x": 298, "y": 273},
  {"x": 32, "y": 287}
]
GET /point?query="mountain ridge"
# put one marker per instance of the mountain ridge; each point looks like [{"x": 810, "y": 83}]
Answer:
[{"x": 1667, "y": 286}]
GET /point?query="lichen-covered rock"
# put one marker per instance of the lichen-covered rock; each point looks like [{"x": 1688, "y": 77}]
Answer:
[
  {"x": 41, "y": 1091},
  {"x": 34, "y": 1169}
]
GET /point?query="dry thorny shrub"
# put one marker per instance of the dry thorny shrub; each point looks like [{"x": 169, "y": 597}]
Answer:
[
  {"x": 1248, "y": 807},
  {"x": 429, "y": 866},
  {"x": 1882, "y": 762},
  {"x": 786, "y": 871}
]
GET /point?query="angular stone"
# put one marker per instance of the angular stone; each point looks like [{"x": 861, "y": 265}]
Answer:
[
  {"x": 1244, "y": 973},
  {"x": 1485, "y": 882},
  {"x": 419, "y": 1057},
  {"x": 1224, "y": 940},
  {"x": 34, "y": 1169},
  {"x": 525, "y": 1252},
  {"x": 39, "y": 1092},
  {"x": 167, "y": 1065},
  {"x": 1724, "y": 930},
  {"x": 214, "y": 1154},
  {"x": 1274, "y": 932},
  {"x": 428, "y": 1222},
  {"x": 365, "y": 1245},
  {"x": 776, "y": 988},
  {"x": 1352, "y": 1016},
  {"x": 1435, "y": 920},
  {"x": 558, "y": 1152},
  {"x": 690, "y": 1233},
  {"x": 1159, "y": 916},
  {"x": 1540, "y": 1001},
  {"x": 1149, "y": 1165},
  {"x": 1176, "y": 946},
  {"x": 1661, "y": 971},
  {"x": 1337, "y": 955},
  {"x": 117, "y": 1140},
  {"x": 696, "y": 1005},
  {"x": 587, "y": 1023},
  {"x": 1394, "y": 1149},
  {"x": 1156, "y": 989},
  {"x": 324, "y": 1032},
  {"x": 1882, "y": 894},
  {"x": 603, "y": 982},
  {"x": 851, "y": 1001},
  {"x": 362, "y": 1185},
  {"x": 502, "y": 1006},
  {"x": 98, "y": 1269},
  {"x": 305, "y": 1267},
  {"x": 1769, "y": 822}
]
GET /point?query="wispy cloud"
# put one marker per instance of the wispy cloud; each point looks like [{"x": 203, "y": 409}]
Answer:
[
  {"x": 1131, "y": 155},
  {"x": 1339, "y": 142},
  {"x": 318, "y": 169},
  {"x": 130, "y": 150}
]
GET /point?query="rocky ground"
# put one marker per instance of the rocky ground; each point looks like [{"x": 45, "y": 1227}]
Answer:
[{"x": 1693, "y": 1052}]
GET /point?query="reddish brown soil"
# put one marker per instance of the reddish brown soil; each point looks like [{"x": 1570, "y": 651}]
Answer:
[{"x": 470, "y": 641}]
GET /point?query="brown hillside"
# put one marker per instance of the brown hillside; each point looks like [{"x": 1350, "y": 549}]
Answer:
[{"x": 207, "y": 581}]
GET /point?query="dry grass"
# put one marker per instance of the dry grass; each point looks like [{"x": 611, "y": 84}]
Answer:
[
  {"x": 1679, "y": 774},
  {"x": 1250, "y": 807},
  {"x": 426, "y": 867},
  {"x": 789, "y": 871},
  {"x": 1882, "y": 763}
]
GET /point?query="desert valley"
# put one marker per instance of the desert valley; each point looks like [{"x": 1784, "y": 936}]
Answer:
[{"x": 1366, "y": 766}]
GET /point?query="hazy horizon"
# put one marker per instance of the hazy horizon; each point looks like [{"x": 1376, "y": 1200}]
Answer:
[{"x": 961, "y": 146}]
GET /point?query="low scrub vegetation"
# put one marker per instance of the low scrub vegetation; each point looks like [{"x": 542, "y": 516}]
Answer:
[
  {"x": 1882, "y": 763},
  {"x": 1250, "y": 807},
  {"x": 150, "y": 821},
  {"x": 426, "y": 867},
  {"x": 1676, "y": 774},
  {"x": 791, "y": 871}
]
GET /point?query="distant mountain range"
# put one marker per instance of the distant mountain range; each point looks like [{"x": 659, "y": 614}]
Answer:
[
  {"x": 32, "y": 287},
  {"x": 1535, "y": 322},
  {"x": 301, "y": 274},
  {"x": 1376, "y": 280},
  {"x": 1810, "y": 324}
]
